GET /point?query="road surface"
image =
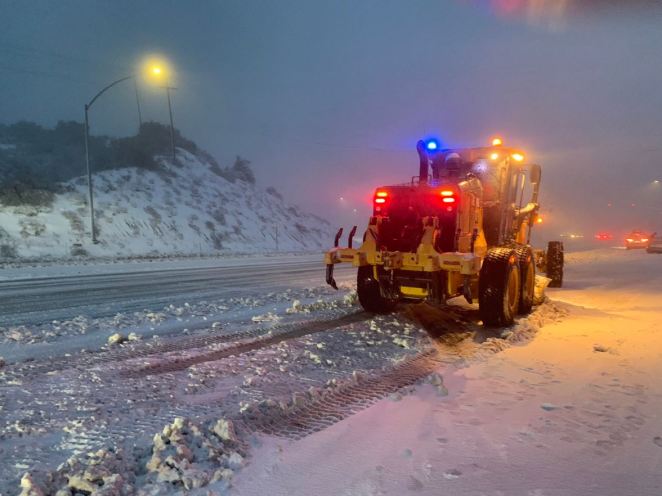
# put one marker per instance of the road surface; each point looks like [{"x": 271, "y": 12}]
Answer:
[
  {"x": 150, "y": 286},
  {"x": 327, "y": 399}
]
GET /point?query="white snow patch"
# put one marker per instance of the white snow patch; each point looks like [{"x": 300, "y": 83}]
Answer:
[{"x": 183, "y": 209}]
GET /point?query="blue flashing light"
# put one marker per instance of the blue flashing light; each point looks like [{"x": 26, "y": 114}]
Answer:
[{"x": 432, "y": 145}]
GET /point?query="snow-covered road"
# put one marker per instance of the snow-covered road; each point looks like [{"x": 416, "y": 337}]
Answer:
[
  {"x": 43, "y": 294},
  {"x": 328, "y": 400},
  {"x": 575, "y": 411}
]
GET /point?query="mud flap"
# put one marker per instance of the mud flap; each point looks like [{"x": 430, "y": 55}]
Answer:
[{"x": 466, "y": 290}]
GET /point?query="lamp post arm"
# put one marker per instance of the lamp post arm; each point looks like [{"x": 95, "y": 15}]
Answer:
[{"x": 107, "y": 88}]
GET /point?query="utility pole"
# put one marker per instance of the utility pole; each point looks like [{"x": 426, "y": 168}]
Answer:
[
  {"x": 140, "y": 116},
  {"x": 172, "y": 126}
]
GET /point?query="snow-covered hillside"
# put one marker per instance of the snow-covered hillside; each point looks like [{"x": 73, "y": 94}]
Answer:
[{"x": 178, "y": 209}]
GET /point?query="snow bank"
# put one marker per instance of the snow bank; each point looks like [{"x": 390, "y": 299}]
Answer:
[{"x": 184, "y": 456}]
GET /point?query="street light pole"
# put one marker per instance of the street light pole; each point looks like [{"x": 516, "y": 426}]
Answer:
[
  {"x": 89, "y": 175},
  {"x": 87, "y": 154}
]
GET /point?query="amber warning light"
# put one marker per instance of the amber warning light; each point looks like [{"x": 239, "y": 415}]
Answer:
[
  {"x": 447, "y": 196},
  {"x": 380, "y": 197}
]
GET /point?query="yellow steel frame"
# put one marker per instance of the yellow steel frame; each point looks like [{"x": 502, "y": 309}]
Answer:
[{"x": 425, "y": 259}]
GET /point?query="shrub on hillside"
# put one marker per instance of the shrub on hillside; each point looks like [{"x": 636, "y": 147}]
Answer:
[
  {"x": 152, "y": 140},
  {"x": 21, "y": 194},
  {"x": 274, "y": 192},
  {"x": 39, "y": 158},
  {"x": 241, "y": 170}
]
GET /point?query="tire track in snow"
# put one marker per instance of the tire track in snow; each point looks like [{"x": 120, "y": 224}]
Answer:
[
  {"x": 276, "y": 335},
  {"x": 323, "y": 409},
  {"x": 335, "y": 405},
  {"x": 31, "y": 369}
]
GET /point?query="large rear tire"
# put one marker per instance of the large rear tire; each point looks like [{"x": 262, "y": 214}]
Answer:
[
  {"x": 499, "y": 287},
  {"x": 555, "y": 263},
  {"x": 369, "y": 294},
  {"x": 527, "y": 268}
]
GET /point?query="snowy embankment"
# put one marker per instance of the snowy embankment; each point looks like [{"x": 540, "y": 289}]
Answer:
[{"x": 188, "y": 208}]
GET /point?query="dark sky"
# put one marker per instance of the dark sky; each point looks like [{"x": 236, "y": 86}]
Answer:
[{"x": 327, "y": 98}]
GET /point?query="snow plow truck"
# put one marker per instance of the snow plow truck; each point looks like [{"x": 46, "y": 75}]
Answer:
[{"x": 462, "y": 227}]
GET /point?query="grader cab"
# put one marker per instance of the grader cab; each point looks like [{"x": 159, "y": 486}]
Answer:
[{"x": 463, "y": 230}]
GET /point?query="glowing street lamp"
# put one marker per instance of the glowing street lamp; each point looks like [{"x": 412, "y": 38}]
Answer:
[{"x": 157, "y": 71}]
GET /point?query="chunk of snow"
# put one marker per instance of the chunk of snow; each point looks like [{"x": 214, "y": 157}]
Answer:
[
  {"x": 29, "y": 488},
  {"x": 267, "y": 317},
  {"x": 224, "y": 429},
  {"x": 116, "y": 339}
]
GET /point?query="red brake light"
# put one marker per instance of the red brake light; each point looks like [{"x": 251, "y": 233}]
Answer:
[
  {"x": 446, "y": 192},
  {"x": 448, "y": 199},
  {"x": 381, "y": 194},
  {"x": 380, "y": 200}
]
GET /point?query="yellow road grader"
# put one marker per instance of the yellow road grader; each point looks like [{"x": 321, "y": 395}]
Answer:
[{"x": 463, "y": 230}]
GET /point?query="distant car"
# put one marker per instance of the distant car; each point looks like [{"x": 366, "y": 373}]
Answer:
[
  {"x": 571, "y": 235},
  {"x": 604, "y": 236},
  {"x": 637, "y": 239},
  {"x": 655, "y": 244}
]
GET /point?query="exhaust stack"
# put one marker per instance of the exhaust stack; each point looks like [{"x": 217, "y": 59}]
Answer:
[{"x": 423, "y": 162}]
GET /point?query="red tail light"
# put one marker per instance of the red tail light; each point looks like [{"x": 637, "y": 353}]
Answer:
[
  {"x": 380, "y": 200},
  {"x": 448, "y": 199}
]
